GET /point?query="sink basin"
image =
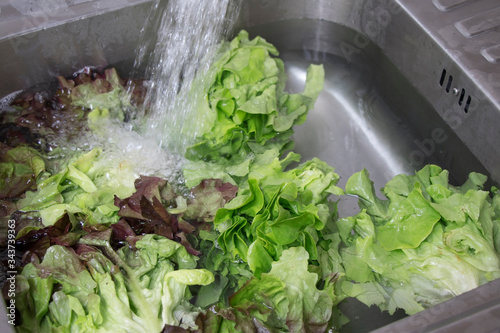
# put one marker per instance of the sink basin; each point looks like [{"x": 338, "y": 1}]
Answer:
[{"x": 408, "y": 82}]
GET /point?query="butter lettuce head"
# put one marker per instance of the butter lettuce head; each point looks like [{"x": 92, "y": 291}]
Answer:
[
  {"x": 427, "y": 242},
  {"x": 280, "y": 209},
  {"x": 249, "y": 110}
]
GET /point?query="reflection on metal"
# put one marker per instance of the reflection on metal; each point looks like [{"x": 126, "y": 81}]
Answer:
[{"x": 475, "y": 311}]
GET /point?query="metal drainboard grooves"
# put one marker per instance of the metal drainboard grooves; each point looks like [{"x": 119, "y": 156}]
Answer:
[
  {"x": 492, "y": 53},
  {"x": 480, "y": 23},
  {"x": 445, "y": 5}
]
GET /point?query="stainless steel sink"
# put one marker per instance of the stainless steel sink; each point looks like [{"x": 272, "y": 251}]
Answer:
[{"x": 408, "y": 82}]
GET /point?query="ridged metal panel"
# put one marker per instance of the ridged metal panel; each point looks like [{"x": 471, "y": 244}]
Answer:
[
  {"x": 478, "y": 20},
  {"x": 445, "y": 5}
]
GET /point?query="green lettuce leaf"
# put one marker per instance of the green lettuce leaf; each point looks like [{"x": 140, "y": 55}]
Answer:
[{"x": 85, "y": 186}]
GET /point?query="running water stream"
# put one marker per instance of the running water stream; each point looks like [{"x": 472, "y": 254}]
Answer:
[
  {"x": 178, "y": 45},
  {"x": 186, "y": 35}
]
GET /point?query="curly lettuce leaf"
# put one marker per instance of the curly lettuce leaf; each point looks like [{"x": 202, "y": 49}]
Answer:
[
  {"x": 20, "y": 168},
  {"x": 104, "y": 290}
]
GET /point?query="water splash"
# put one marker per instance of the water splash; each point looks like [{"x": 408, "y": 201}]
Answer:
[
  {"x": 179, "y": 44},
  {"x": 5, "y": 102},
  {"x": 188, "y": 33}
]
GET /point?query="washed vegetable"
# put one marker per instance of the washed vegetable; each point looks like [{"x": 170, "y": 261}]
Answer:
[
  {"x": 286, "y": 299},
  {"x": 19, "y": 169},
  {"x": 248, "y": 241},
  {"x": 427, "y": 242},
  {"x": 248, "y": 113},
  {"x": 277, "y": 211},
  {"x": 109, "y": 272},
  {"x": 86, "y": 186},
  {"x": 95, "y": 288},
  {"x": 90, "y": 90}
]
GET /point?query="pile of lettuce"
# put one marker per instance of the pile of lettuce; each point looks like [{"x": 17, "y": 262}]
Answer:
[
  {"x": 103, "y": 249},
  {"x": 427, "y": 242},
  {"x": 266, "y": 241},
  {"x": 250, "y": 242},
  {"x": 127, "y": 270}
]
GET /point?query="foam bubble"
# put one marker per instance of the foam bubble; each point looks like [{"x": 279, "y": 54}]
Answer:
[{"x": 143, "y": 155}]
